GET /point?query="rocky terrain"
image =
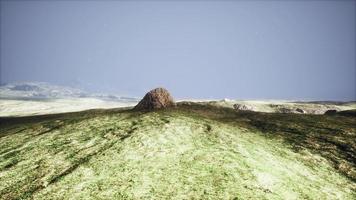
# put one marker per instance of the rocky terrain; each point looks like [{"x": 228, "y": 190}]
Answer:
[
  {"x": 33, "y": 98},
  {"x": 276, "y": 106}
]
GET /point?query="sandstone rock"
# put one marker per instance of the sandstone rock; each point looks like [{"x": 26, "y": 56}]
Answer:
[{"x": 156, "y": 99}]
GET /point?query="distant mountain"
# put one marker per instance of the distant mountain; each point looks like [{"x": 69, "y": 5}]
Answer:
[
  {"x": 42, "y": 90},
  {"x": 38, "y": 90}
]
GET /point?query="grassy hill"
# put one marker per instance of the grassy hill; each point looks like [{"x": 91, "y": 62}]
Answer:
[{"x": 193, "y": 151}]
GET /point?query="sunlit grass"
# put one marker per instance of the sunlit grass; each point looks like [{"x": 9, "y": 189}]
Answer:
[{"x": 192, "y": 152}]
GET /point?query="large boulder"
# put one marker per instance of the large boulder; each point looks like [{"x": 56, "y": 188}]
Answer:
[{"x": 155, "y": 99}]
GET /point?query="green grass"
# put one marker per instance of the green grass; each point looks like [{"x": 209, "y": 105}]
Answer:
[{"x": 190, "y": 152}]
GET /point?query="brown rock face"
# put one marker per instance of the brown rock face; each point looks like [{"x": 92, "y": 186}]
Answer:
[{"x": 155, "y": 99}]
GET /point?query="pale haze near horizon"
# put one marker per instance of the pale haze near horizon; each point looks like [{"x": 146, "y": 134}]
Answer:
[{"x": 301, "y": 50}]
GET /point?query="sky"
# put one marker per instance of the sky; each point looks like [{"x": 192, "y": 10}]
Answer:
[{"x": 297, "y": 50}]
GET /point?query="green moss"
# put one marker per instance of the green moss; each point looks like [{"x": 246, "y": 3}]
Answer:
[{"x": 189, "y": 152}]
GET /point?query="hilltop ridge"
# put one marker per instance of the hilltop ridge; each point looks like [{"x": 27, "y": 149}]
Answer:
[{"x": 190, "y": 151}]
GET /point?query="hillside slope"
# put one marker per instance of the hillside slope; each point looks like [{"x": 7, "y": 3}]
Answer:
[{"x": 192, "y": 151}]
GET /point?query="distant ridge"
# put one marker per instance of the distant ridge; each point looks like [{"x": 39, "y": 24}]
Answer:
[{"x": 42, "y": 91}]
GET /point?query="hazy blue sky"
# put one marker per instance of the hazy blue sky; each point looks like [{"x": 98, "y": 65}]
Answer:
[{"x": 199, "y": 49}]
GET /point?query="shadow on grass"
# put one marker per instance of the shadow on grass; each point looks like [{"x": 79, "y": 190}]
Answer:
[{"x": 332, "y": 137}]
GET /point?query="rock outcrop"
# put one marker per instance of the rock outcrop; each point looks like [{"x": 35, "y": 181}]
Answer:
[
  {"x": 299, "y": 110},
  {"x": 287, "y": 109},
  {"x": 242, "y": 107},
  {"x": 330, "y": 112},
  {"x": 284, "y": 110},
  {"x": 156, "y": 99}
]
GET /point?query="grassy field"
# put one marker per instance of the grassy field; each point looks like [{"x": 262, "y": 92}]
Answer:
[{"x": 193, "y": 151}]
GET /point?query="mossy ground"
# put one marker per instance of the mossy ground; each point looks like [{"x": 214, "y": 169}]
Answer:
[{"x": 189, "y": 152}]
